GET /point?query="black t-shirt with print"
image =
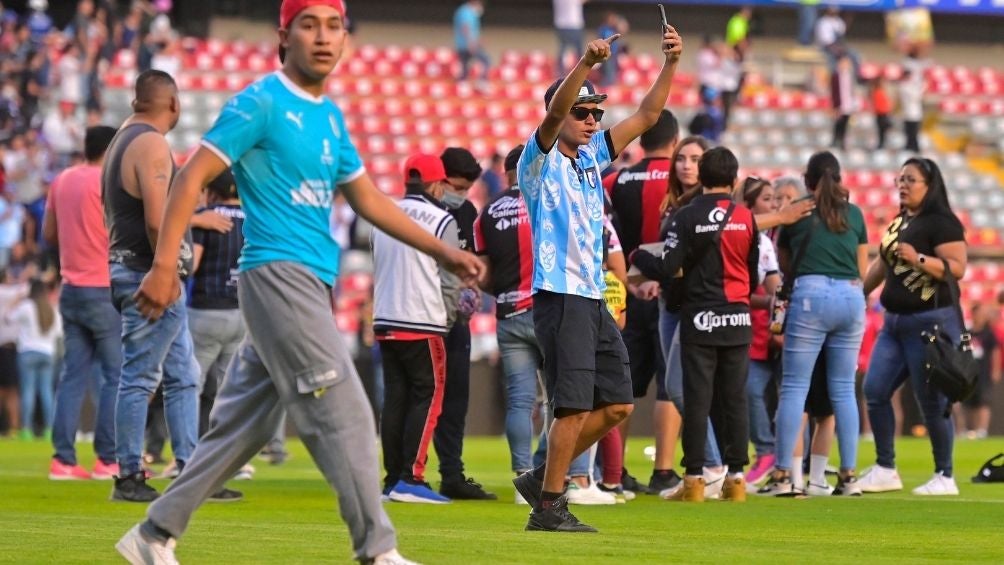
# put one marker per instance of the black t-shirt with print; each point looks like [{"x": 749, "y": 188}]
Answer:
[{"x": 908, "y": 290}]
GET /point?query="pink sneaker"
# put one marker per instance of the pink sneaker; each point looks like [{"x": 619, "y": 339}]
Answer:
[
  {"x": 760, "y": 469},
  {"x": 105, "y": 471},
  {"x": 59, "y": 471}
]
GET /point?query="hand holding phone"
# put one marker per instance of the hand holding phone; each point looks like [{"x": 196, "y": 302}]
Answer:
[{"x": 672, "y": 43}]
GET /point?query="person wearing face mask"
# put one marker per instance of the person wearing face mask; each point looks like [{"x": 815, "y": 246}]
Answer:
[
  {"x": 414, "y": 307},
  {"x": 920, "y": 244},
  {"x": 462, "y": 171}
]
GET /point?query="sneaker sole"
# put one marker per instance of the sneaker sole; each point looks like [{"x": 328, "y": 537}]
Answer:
[
  {"x": 878, "y": 489},
  {"x": 411, "y": 498},
  {"x": 956, "y": 493},
  {"x": 533, "y": 528},
  {"x": 115, "y": 498}
]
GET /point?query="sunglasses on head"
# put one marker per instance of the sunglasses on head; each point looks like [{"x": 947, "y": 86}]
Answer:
[
  {"x": 580, "y": 113},
  {"x": 752, "y": 183}
]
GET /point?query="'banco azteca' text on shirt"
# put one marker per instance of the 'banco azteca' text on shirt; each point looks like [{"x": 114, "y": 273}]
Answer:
[
  {"x": 289, "y": 151},
  {"x": 564, "y": 199}
]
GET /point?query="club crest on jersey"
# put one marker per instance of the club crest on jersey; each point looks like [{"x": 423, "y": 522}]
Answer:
[{"x": 591, "y": 177}]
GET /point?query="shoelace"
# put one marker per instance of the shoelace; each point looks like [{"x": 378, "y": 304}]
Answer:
[{"x": 473, "y": 483}]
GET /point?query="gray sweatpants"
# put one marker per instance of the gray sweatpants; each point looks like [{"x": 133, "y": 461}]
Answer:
[{"x": 293, "y": 355}]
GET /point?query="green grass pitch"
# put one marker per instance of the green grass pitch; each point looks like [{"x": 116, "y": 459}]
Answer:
[{"x": 289, "y": 516}]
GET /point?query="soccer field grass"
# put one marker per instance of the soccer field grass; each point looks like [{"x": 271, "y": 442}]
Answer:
[{"x": 289, "y": 516}]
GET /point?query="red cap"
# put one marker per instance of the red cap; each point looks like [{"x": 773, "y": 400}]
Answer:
[
  {"x": 290, "y": 8},
  {"x": 429, "y": 167}
]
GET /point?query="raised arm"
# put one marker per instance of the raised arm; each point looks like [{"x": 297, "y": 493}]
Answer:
[
  {"x": 564, "y": 98},
  {"x": 648, "y": 111}
]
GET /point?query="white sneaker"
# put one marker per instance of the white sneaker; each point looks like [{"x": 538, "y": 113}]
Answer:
[
  {"x": 713, "y": 483},
  {"x": 880, "y": 479},
  {"x": 590, "y": 495},
  {"x": 392, "y": 557},
  {"x": 812, "y": 489},
  {"x": 140, "y": 551},
  {"x": 939, "y": 485},
  {"x": 246, "y": 473}
]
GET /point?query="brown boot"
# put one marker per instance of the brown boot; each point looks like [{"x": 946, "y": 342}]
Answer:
[
  {"x": 734, "y": 489},
  {"x": 692, "y": 490}
]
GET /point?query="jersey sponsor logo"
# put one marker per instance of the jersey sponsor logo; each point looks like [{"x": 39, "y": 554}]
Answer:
[
  {"x": 714, "y": 227},
  {"x": 312, "y": 193},
  {"x": 547, "y": 254},
  {"x": 506, "y": 223},
  {"x": 509, "y": 212},
  {"x": 708, "y": 321},
  {"x": 296, "y": 118},
  {"x": 232, "y": 107},
  {"x": 642, "y": 176},
  {"x": 716, "y": 215}
]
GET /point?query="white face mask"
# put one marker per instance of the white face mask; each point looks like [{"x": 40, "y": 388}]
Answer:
[{"x": 452, "y": 200}]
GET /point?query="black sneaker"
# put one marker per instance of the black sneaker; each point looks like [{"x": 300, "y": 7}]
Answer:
[
  {"x": 530, "y": 487},
  {"x": 134, "y": 489},
  {"x": 226, "y": 495},
  {"x": 465, "y": 489},
  {"x": 663, "y": 481},
  {"x": 557, "y": 518},
  {"x": 630, "y": 483}
]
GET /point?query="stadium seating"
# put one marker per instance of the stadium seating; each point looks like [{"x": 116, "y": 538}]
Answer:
[{"x": 399, "y": 99}]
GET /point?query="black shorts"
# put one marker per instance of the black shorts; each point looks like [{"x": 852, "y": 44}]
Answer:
[
  {"x": 641, "y": 338},
  {"x": 585, "y": 361},
  {"x": 817, "y": 403},
  {"x": 982, "y": 395}
]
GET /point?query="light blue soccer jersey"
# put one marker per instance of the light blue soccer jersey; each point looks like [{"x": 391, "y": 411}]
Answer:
[
  {"x": 289, "y": 151},
  {"x": 564, "y": 199}
]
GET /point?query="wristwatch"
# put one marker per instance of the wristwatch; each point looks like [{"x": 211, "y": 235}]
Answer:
[{"x": 921, "y": 258}]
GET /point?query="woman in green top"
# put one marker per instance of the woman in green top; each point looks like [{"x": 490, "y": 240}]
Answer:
[{"x": 825, "y": 257}]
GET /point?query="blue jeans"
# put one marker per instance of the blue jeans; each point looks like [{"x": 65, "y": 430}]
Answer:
[
  {"x": 35, "y": 372},
  {"x": 569, "y": 40},
  {"x": 830, "y": 313},
  {"x": 807, "y": 14},
  {"x": 669, "y": 334},
  {"x": 152, "y": 351},
  {"x": 521, "y": 359},
  {"x": 898, "y": 354},
  {"x": 93, "y": 338},
  {"x": 758, "y": 378}
]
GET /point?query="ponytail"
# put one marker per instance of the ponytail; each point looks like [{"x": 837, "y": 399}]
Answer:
[{"x": 822, "y": 177}]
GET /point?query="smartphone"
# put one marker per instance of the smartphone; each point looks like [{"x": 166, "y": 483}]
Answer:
[{"x": 665, "y": 22}]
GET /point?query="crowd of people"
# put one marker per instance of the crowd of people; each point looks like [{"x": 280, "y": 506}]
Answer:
[{"x": 212, "y": 287}]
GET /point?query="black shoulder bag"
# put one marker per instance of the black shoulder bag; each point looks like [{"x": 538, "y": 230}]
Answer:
[
  {"x": 949, "y": 367},
  {"x": 778, "y": 319}
]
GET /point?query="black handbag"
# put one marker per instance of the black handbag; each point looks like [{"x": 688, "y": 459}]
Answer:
[{"x": 949, "y": 367}]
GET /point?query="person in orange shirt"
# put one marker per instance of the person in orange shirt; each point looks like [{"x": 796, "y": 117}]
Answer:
[{"x": 882, "y": 106}]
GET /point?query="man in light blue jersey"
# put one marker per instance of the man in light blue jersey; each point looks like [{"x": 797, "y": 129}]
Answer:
[
  {"x": 289, "y": 151},
  {"x": 585, "y": 362}
]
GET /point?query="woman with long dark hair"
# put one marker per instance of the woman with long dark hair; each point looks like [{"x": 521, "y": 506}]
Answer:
[
  {"x": 917, "y": 248},
  {"x": 826, "y": 310}
]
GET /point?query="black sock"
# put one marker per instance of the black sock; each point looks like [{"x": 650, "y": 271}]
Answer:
[
  {"x": 547, "y": 499},
  {"x": 538, "y": 473},
  {"x": 154, "y": 532}
]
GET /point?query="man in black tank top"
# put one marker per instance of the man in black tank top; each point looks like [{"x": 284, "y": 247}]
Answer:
[{"x": 135, "y": 179}]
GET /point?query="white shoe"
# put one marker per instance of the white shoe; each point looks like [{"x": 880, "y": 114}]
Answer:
[
  {"x": 246, "y": 473},
  {"x": 590, "y": 495},
  {"x": 140, "y": 551},
  {"x": 880, "y": 479},
  {"x": 939, "y": 485},
  {"x": 713, "y": 483},
  {"x": 812, "y": 489},
  {"x": 392, "y": 557}
]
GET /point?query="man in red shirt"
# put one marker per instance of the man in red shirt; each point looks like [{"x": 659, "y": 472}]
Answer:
[{"x": 75, "y": 223}]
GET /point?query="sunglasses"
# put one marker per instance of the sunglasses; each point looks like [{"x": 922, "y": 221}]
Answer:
[
  {"x": 754, "y": 183},
  {"x": 580, "y": 113}
]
